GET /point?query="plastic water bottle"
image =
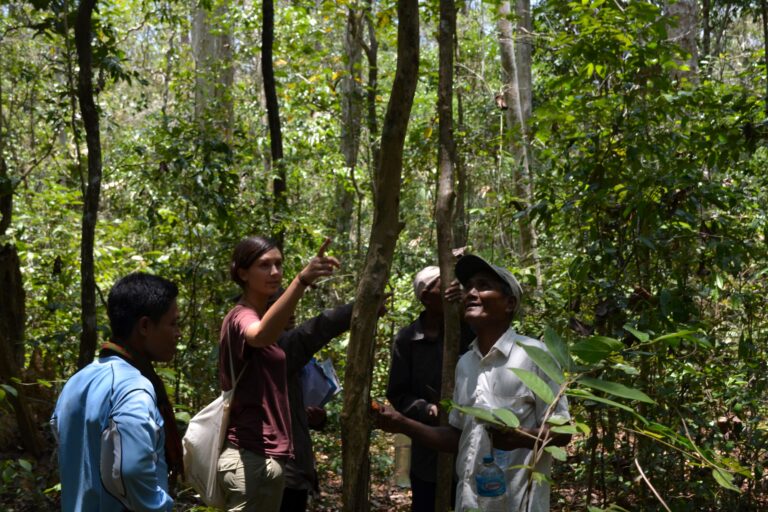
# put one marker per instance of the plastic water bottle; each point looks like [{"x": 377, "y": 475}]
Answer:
[{"x": 491, "y": 487}]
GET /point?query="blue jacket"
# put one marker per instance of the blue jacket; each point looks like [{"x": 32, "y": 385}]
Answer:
[{"x": 111, "y": 441}]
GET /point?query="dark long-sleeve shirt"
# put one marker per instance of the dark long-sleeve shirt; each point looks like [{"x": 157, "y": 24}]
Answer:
[
  {"x": 415, "y": 380},
  {"x": 300, "y": 344}
]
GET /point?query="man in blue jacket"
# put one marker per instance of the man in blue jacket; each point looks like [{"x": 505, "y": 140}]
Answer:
[{"x": 113, "y": 420}]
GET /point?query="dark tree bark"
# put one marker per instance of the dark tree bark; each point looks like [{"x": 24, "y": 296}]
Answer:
[
  {"x": 764, "y": 12},
  {"x": 90, "y": 115},
  {"x": 351, "y": 111},
  {"x": 356, "y": 422},
  {"x": 279, "y": 186},
  {"x": 446, "y": 197},
  {"x": 372, "y": 55},
  {"x": 12, "y": 318}
]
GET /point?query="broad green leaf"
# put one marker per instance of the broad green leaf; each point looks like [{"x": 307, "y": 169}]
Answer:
[
  {"x": 616, "y": 389},
  {"x": 583, "y": 427},
  {"x": 507, "y": 417},
  {"x": 642, "y": 336},
  {"x": 535, "y": 384},
  {"x": 565, "y": 429},
  {"x": 629, "y": 370},
  {"x": 724, "y": 479},
  {"x": 544, "y": 361},
  {"x": 586, "y": 395},
  {"x": 558, "y": 349},
  {"x": 480, "y": 413},
  {"x": 557, "y": 453},
  {"x": 25, "y": 465},
  {"x": 675, "y": 335},
  {"x": 596, "y": 348},
  {"x": 2, "y": 394},
  {"x": 557, "y": 420},
  {"x": 10, "y": 390}
]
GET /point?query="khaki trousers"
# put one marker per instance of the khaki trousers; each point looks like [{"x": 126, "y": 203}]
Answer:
[{"x": 251, "y": 482}]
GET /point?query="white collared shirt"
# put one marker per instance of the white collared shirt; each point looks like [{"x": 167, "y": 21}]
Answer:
[{"x": 487, "y": 382}]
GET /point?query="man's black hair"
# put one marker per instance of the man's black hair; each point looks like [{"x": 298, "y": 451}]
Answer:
[{"x": 137, "y": 295}]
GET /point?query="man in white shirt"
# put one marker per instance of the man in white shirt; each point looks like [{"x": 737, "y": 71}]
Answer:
[{"x": 483, "y": 379}]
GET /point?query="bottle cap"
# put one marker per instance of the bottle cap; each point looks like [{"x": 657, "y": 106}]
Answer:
[{"x": 487, "y": 459}]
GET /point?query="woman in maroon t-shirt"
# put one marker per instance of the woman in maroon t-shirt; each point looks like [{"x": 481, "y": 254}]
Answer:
[{"x": 259, "y": 433}]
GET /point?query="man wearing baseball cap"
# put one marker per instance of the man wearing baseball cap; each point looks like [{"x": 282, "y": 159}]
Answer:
[{"x": 492, "y": 297}]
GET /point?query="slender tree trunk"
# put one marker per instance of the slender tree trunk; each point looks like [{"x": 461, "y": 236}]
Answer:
[
  {"x": 706, "y": 36},
  {"x": 279, "y": 185},
  {"x": 764, "y": 12},
  {"x": 356, "y": 423},
  {"x": 372, "y": 55},
  {"x": 446, "y": 162},
  {"x": 90, "y": 116},
  {"x": 461, "y": 217},
  {"x": 351, "y": 111},
  {"x": 515, "y": 48}
]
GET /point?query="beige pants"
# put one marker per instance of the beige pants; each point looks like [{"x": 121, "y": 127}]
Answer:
[{"x": 251, "y": 482}]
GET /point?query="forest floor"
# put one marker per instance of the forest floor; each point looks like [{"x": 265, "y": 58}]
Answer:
[{"x": 32, "y": 485}]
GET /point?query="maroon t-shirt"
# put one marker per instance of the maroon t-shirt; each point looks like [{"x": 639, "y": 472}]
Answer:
[{"x": 260, "y": 418}]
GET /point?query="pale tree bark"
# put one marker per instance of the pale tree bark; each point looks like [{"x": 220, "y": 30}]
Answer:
[
  {"x": 446, "y": 197},
  {"x": 279, "y": 181},
  {"x": 351, "y": 113},
  {"x": 90, "y": 116},
  {"x": 355, "y": 420},
  {"x": 683, "y": 29},
  {"x": 706, "y": 35},
  {"x": 515, "y": 49},
  {"x": 214, "y": 72}
]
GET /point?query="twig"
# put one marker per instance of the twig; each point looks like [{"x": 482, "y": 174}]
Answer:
[{"x": 650, "y": 486}]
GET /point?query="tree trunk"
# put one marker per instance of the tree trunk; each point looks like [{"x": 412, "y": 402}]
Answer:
[
  {"x": 446, "y": 162},
  {"x": 764, "y": 12},
  {"x": 356, "y": 424},
  {"x": 90, "y": 115},
  {"x": 12, "y": 318},
  {"x": 214, "y": 72},
  {"x": 351, "y": 111},
  {"x": 372, "y": 55},
  {"x": 515, "y": 49},
  {"x": 683, "y": 29},
  {"x": 279, "y": 186},
  {"x": 706, "y": 36},
  {"x": 460, "y": 218}
]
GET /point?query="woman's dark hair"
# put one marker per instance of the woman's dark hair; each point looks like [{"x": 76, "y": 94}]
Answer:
[
  {"x": 246, "y": 252},
  {"x": 137, "y": 295}
]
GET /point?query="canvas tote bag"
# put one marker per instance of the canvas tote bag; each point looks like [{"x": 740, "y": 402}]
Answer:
[{"x": 203, "y": 442}]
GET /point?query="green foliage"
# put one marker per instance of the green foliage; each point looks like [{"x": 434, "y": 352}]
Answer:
[{"x": 649, "y": 204}]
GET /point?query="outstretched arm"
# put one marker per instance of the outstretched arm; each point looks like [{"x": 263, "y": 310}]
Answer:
[
  {"x": 301, "y": 342},
  {"x": 444, "y": 439}
]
